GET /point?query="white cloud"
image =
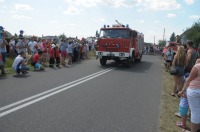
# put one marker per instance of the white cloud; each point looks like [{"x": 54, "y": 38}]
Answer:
[
  {"x": 194, "y": 16},
  {"x": 20, "y": 17},
  {"x": 142, "y": 4},
  {"x": 171, "y": 15},
  {"x": 99, "y": 19},
  {"x": 85, "y": 3},
  {"x": 92, "y": 3},
  {"x": 23, "y": 7},
  {"x": 190, "y": 2},
  {"x": 2, "y": 1},
  {"x": 72, "y": 10},
  {"x": 160, "y": 4}
]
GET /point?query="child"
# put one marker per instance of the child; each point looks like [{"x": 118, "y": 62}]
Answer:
[
  {"x": 57, "y": 56},
  {"x": 183, "y": 108},
  {"x": 37, "y": 59},
  {"x": 52, "y": 56}
]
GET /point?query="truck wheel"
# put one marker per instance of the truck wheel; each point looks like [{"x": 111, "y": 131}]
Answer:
[{"x": 103, "y": 62}]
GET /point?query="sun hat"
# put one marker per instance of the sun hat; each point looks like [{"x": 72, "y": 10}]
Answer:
[{"x": 53, "y": 45}]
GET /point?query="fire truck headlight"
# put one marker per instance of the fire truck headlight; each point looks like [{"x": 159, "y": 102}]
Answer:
[{"x": 122, "y": 54}]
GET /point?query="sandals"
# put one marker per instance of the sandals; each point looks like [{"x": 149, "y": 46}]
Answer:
[
  {"x": 177, "y": 114},
  {"x": 172, "y": 94},
  {"x": 180, "y": 124}
]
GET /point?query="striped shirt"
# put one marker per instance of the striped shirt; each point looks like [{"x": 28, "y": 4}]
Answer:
[
  {"x": 184, "y": 102},
  {"x": 195, "y": 83}
]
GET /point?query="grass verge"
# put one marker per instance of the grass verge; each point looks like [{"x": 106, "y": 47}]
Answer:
[{"x": 169, "y": 105}]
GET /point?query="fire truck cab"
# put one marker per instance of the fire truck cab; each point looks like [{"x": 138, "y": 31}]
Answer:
[{"x": 119, "y": 43}]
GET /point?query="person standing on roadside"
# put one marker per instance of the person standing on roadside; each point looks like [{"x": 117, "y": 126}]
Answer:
[
  {"x": 3, "y": 44},
  {"x": 179, "y": 62},
  {"x": 168, "y": 59},
  {"x": 21, "y": 32},
  {"x": 2, "y": 65},
  {"x": 12, "y": 47},
  {"x": 32, "y": 46},
  {"x": 192, "y": 85},
  {"x": 63, "y": 49},
  {"x": 70, "y": 53},
  {"x": 191, "y": 57},
  {"x": 21, "y": 45}
]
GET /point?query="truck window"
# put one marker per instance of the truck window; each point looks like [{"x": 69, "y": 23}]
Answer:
[{"x": 114, "y": 33}]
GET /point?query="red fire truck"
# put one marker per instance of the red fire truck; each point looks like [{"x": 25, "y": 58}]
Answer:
[{"x": 119, "y": 43}]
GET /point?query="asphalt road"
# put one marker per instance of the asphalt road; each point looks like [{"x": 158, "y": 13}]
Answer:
[{"x": 111, "y": 99}]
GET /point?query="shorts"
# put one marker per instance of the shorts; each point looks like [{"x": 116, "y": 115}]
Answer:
[
  {"x": 38, "y": 66},
  {"x": 170, "y": 61},
  {"x": 70, "y": 54},
  {"x": 64, "y": 53},
  {"x": 183, "y": 111},
  {"x": 193, "y": 96}
]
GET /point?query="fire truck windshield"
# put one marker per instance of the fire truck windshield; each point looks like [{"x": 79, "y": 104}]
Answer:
[{"x": 114, "y": 33}]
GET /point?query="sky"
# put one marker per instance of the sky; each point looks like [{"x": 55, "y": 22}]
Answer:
[{"x": 82, "y": 18}]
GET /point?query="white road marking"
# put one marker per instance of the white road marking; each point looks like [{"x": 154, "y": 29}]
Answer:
[
  {"x": 75, "y": 83},
  {"x": 51, "y": 90}
]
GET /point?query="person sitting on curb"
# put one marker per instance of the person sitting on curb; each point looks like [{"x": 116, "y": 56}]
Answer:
[
  {"x": 37, "y": 59},
  {"x": 2, "y": 65},
  {"x": 19, "y": 64}
]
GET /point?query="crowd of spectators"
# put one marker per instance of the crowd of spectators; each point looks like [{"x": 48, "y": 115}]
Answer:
[
  {"x": 184, "y": 65},
  {"x": 41, "y": 52}
]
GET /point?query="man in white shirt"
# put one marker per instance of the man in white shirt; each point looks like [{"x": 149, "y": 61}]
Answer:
[
  {"x": 19, "y": 64},
  {"x": 32, "y": 46}
]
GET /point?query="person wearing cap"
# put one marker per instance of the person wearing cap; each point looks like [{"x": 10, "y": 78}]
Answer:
[{"x": 21, "y": 32}]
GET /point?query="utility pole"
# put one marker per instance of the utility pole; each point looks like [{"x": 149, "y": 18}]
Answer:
[
  {"x": 154, "y": 40},
  {"x": 164, "y": 35}
]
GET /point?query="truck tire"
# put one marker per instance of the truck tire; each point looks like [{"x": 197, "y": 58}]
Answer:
[{"x": 103, "y": 61}]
